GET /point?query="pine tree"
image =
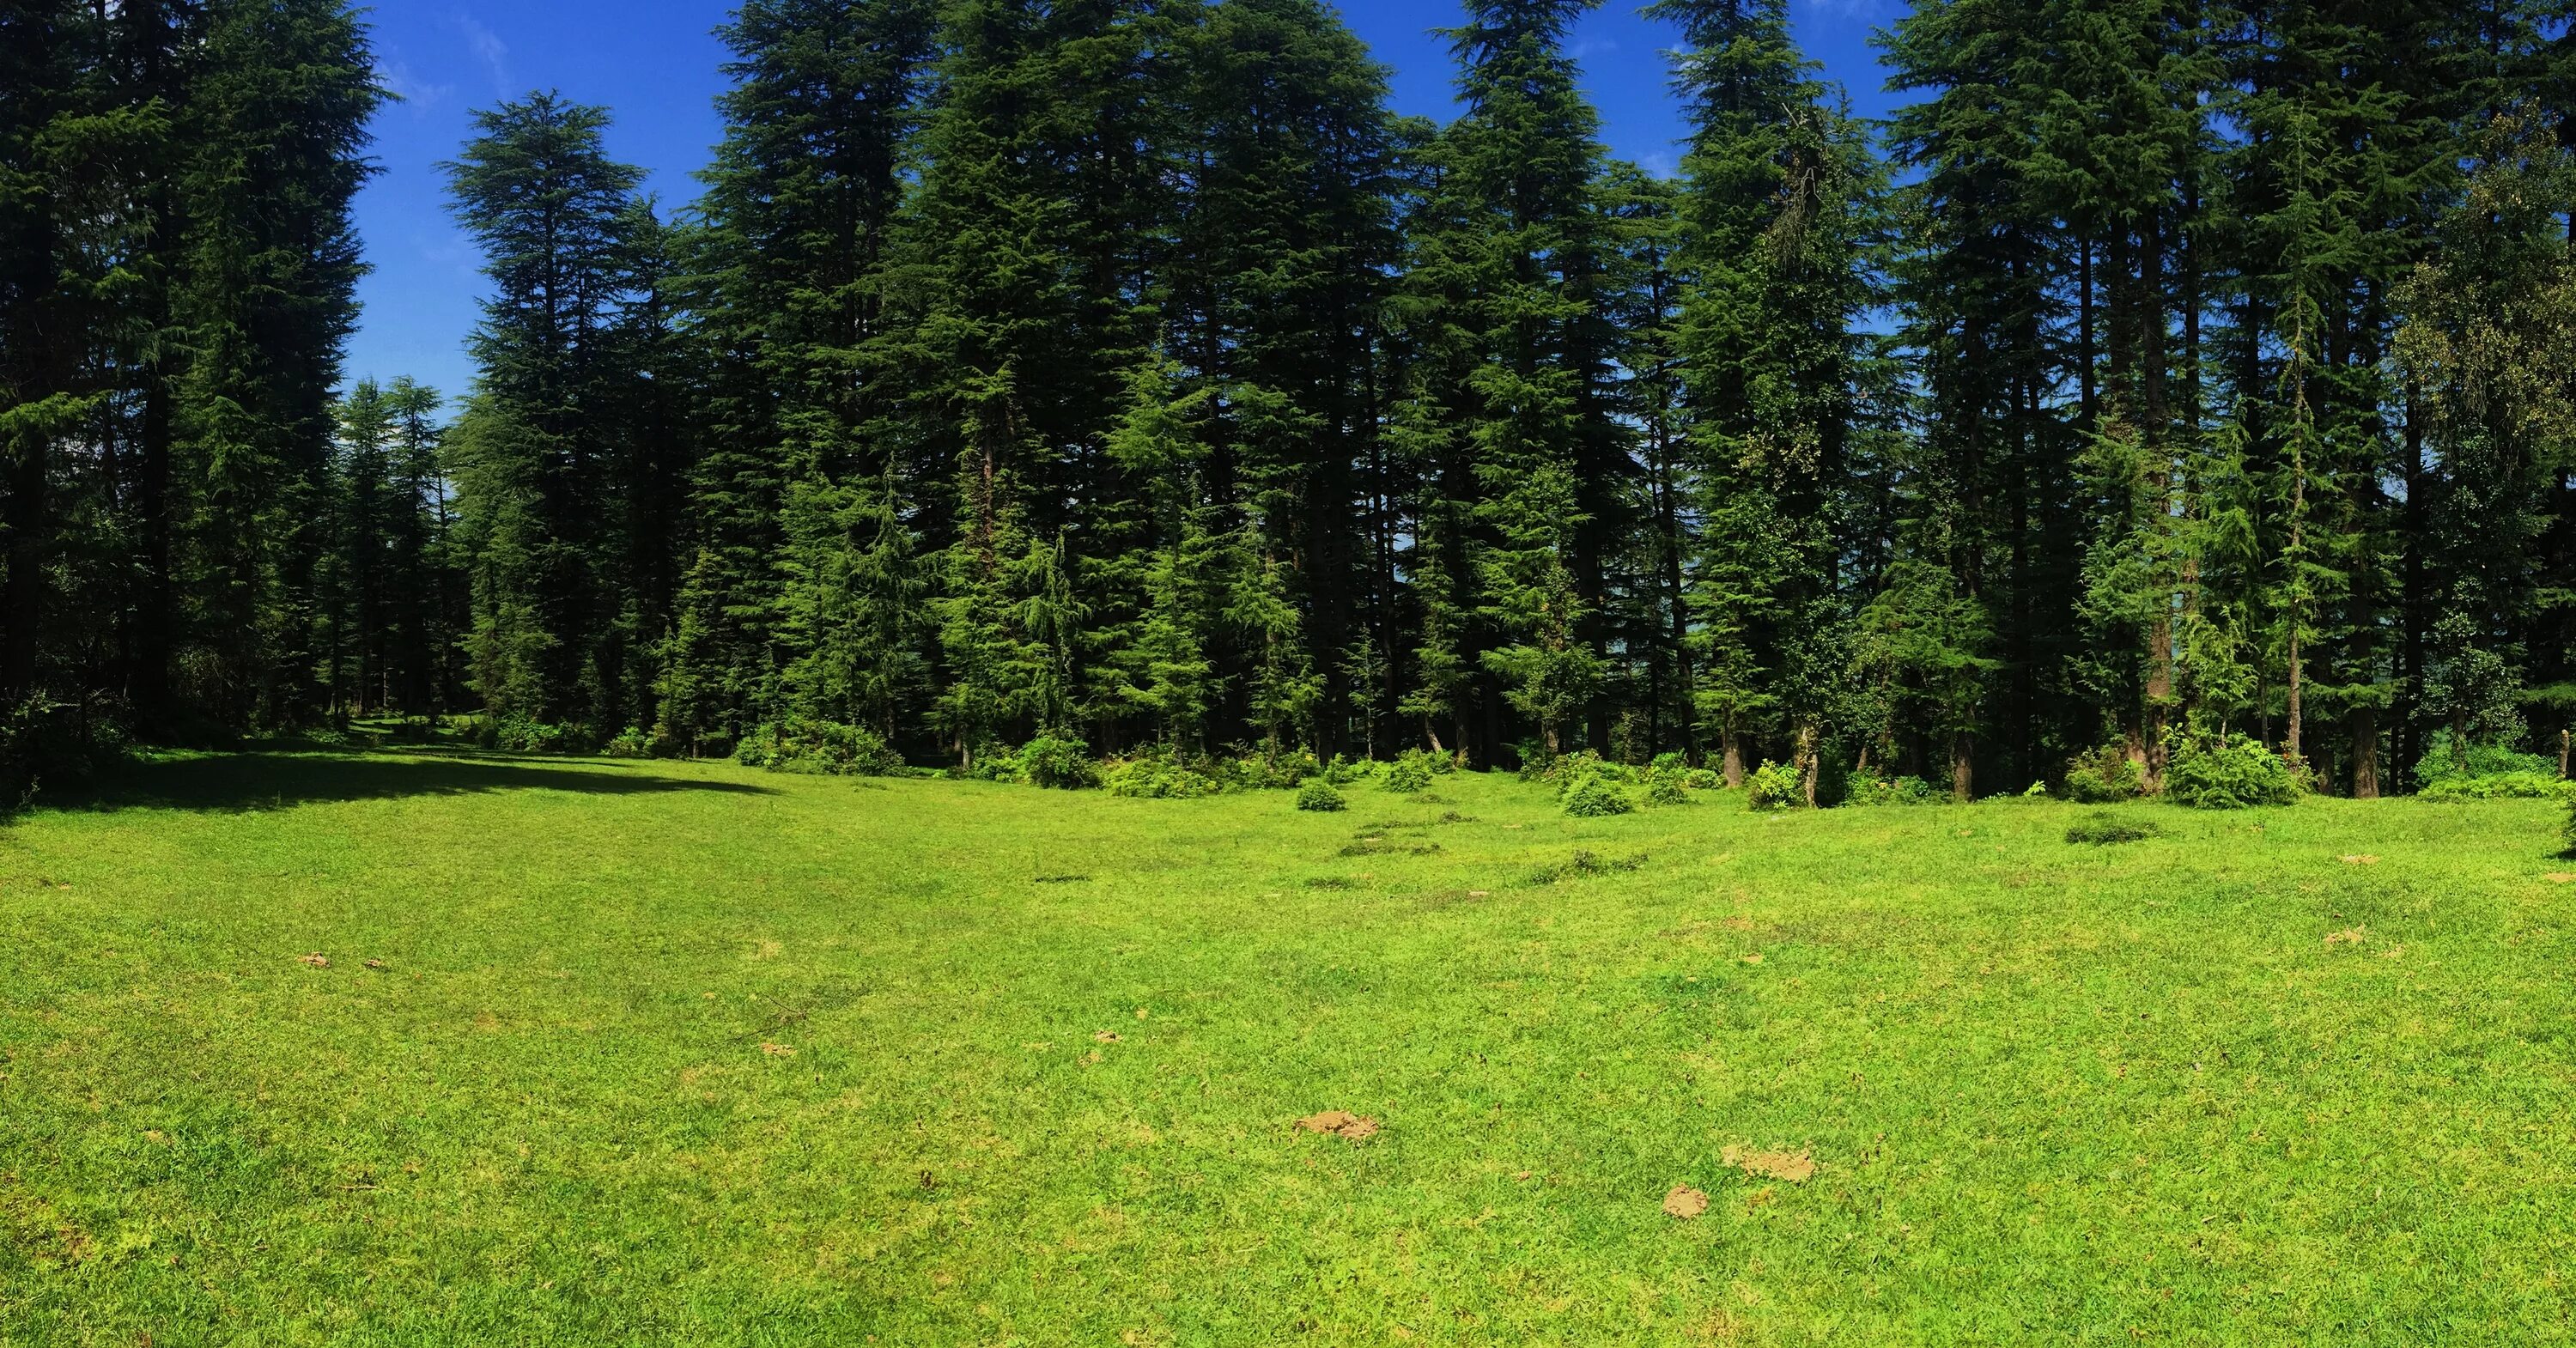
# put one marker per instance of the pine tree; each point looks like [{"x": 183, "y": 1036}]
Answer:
[
  {"x": 539, "y": 451},
  {"x": 276, "y": 121},
  {"x": 1521, "y": 257},
  {"x": 791, "y": 316},
  {"x": 1777, "y": 213}
]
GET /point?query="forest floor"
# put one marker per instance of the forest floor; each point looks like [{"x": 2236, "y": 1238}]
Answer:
[{"x": 468, "y": 1049}]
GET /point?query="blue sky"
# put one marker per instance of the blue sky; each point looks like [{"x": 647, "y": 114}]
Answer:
[{"x": 653, "y": 63}]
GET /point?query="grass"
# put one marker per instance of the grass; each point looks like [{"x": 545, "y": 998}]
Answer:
[{"x": 683, "y": 1054}]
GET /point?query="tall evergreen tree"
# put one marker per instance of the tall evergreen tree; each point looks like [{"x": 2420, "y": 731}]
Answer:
[{"x": 538, "y": 454}]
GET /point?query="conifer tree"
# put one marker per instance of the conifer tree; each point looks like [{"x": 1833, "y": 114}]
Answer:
[
  {"x": 1776, "y": 217},
  {"x": 538, "y": 455},
  {"x": 791, "y": 319}
]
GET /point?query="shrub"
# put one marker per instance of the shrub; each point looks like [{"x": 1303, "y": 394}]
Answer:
[
  {"x": 1158, "y": 778},
  {"x": 2445, "y": 761},
  {"x": 2103, "y": 830},
  {"x": 1280, "y": 772},
  {"x": 1665, "y": 787},
  {"x": 1669, "y": 762},
  {"x": 816, "y": 748},
  {"x": 1344, "y": 771},
  {"x": 2502, "y": 786},
  {"x": 1775, "y": 786},
  {"x": 2105, "y": 776},
  {"x": 631, "y": 742},
  {"x": 1437, "y": 765},
  {"x": 2567, "y": 831},
  {"x": 2228, "y": 773},
  {"x": 1704, "y": 779},
  {"x": 1062, "y": 764},
  {"x": 1320, "y": 797},
  {"x": 523, "y": 735},
  {"x": 989, "y": 763},
  {"x": 1901, "y": 791},
  {"x": 1593, "y": 796},
  {"x": 1407, "y": 775}
]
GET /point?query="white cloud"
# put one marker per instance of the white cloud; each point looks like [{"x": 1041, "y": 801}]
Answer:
[
  {"x": 421, "y": 95},
  {"x": 487, "y": 47},
  {"x": 1591, "y": 47}
]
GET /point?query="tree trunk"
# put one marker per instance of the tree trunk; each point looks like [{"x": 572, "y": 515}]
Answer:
[
  {"x": 1734, "y": 759},
  {"x": 2365, "y": 753},
  {"x": 1963, "y": 766},
  {"x": 1809, "y": 761},
  {"x": 22, "y": 611}
]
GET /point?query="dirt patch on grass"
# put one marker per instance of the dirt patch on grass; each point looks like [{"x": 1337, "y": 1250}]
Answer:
[
  {"x": 2348, "y": 936},
  {"x": 1791, "y": 1167},
  {"x": 1340, "y": 1123},
  {"x": 2360, "y": 859},
  {"x": 1685, "y": 1202}
]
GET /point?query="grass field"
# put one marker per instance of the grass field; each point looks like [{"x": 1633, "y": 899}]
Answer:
[{"x": 666, "y": 1053}]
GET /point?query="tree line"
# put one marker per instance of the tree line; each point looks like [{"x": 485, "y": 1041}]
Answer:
[{"x": 1125, "y": 371}]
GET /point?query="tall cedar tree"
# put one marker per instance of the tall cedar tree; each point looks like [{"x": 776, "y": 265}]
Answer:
[{"x": 799, "y": 597}]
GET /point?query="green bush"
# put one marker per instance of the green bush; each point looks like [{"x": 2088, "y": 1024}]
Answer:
[
  {"x": 2228, "y": 773},
  {"x": 1437, "y": 765},
  {"x": 1155, "y": 777},
  {"x": 1319, "y": 796},
  {"x": 1666, "y": 787},
  {"x": 2105, "y": 776},
  {"x": 1775, "y": 786},
  {"x": 2502, "y": 786},
  {"x": 989, "y": 763},
  {"x": 1593, "y": 796},
  {"x": 1669, "y": 762},
  {"x": 2444, "y": 761},
  {"x": 522, "y": 735},
  {"x": 816, "y": 748},
  {"x": 634, "y": 742},
  {"x": 1704, "y": 779},
  {"x": 1407, "y": 775},
  {"x": 1281, "y": 772},
  {"x": 1901, "y": 791},
  {"x": 1059, "y": 764},
  {"x": 1344, "y": 771}
]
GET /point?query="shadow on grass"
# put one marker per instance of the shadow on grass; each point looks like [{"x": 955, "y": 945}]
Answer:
[{"x": 270, "y": 780}]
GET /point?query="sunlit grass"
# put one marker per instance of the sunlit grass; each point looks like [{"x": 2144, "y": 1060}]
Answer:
[{"x": 687, "y": 1054}]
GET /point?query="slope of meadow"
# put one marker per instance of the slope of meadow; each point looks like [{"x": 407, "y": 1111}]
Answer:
[{"x": 592, "y": 1053}]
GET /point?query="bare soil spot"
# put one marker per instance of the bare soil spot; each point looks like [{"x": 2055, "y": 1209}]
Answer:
[
  {"x": 2348, "y": 936},
  {"x": 778, "y": 1050},
  {"x": 1793, "y": 1167},
  {"x": 317, "y": 959},
  {"x": 1685, "y": 1202},
  {"x": 2360, "y": 859},
  {"x": 1340, "y": 1123}
]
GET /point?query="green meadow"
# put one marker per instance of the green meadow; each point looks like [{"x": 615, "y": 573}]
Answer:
[{"x": 304, "y": 1048}]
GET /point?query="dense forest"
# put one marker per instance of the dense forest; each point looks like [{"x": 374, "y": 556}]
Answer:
[{"x": 1124, "y": 371}]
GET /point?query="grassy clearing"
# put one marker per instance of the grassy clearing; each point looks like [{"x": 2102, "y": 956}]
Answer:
[{"x": 676, "y": 1053}]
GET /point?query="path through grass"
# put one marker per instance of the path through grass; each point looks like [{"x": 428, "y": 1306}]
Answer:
[{"x": 683, "y": 1054}]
